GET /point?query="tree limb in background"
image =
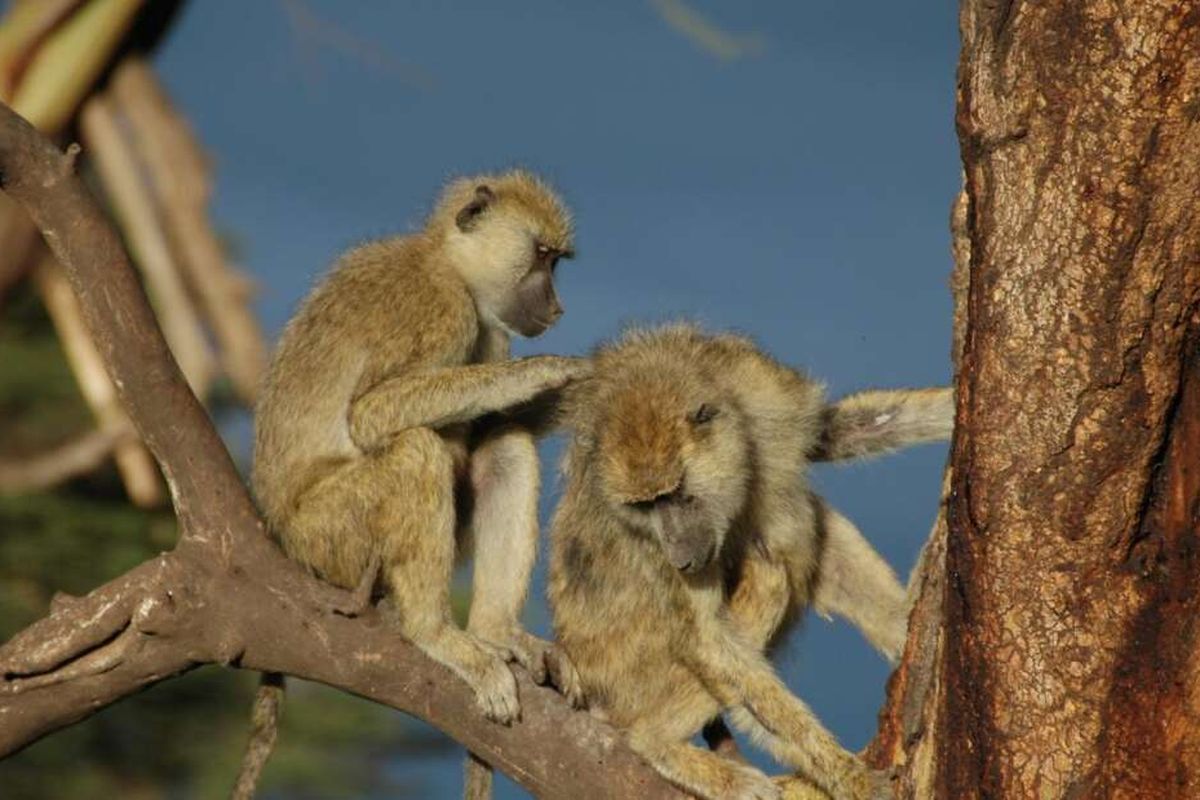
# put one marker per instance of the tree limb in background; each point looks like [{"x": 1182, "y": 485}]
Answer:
[
  {"x": 134, "y": 463},
  {"x": 133, "y": 203},
  {"x": 78, "y": 457},
  {"x": 226, "y": 594},
  {"x": 70, "y": 59},
  {"x": 710, "y": 38},
  {"x": 25, "y": 28},
  {"x": 179, "y": 172},
  {"x": 311, "y": 30}
]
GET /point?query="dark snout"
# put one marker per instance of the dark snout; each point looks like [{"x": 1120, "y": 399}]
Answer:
[
  {"x": 688, "y": 545},
  {"x": 690, "y": 556},
  {"x": 535, "y": 305}
]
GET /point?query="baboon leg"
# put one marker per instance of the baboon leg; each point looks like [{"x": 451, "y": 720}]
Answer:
[
  {"x": 504, "y": 474},
  {"x": 662, "y": 739},
  {"x": 400, "y": 504},
  {"x": 855, "y": 582}
]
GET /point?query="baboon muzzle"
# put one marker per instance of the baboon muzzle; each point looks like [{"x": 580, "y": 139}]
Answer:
[{"x": 687, "y": 545}]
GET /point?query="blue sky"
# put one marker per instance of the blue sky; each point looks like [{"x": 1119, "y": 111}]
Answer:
[{"x": 798, "y": 192}]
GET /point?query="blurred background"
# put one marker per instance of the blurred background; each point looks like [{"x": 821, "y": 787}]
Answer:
[{"x": 784, "y": 169}]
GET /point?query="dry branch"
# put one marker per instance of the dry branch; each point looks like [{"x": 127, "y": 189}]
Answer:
[
  {"x": 179, "y": 172},
  {"x": 77, "y": 457},
  {"x": 67, "y": 63},
  {"x": 23, "y": 30},
  {"x": 226, "y": 595},
  {"x": 134, "y": 207},
  {"x": 134, "y": 463}
]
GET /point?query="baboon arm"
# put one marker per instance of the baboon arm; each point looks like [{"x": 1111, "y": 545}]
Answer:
[
  {"x": 445, "y": 396},
  {"x": 741, "y": 677},
  {"x": 878, "y": 421}
]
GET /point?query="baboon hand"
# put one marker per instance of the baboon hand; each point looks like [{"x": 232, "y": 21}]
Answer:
[
  {"x": 545, "y": 661},
  {"x": 561, "y": 370},
  {"x": 496, "y": 688}
]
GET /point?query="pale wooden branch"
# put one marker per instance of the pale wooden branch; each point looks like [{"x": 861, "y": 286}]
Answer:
[
  {"x": 179, "y": 172},
  {"x": 226, "y": 594},
  {"x": 134, "y": 463},
  {"x": 25, "y": 27},
  {"x": 77, "y": 457},
  {"x": 67, "y": 63},
  {"x": 135, "y": 210}
]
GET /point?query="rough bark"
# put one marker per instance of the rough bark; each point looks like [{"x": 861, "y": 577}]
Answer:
[
  {"x": 1068, "y": 665},
  {"x": 226, "y": 595}
]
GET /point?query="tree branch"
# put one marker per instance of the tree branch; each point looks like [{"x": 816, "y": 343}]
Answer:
[
  {"x": 75, "y": 457},
  {"x": 226, "y": 595},
  {"x": 134, "y": 464}
]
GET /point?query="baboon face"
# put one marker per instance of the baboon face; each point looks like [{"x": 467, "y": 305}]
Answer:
[
  {"x": 673, "y": 466},
  {"x": 510, "y": 253},
  {"x": 531, "y": 305}
]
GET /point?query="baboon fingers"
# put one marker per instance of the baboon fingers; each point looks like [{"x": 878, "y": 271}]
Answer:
[
  {"x": 360, "y": 600},
  {"x": 496, "y": 694},
  {"x": 565, "y": 677}
]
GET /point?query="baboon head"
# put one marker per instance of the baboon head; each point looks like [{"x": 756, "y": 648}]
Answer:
[
  {"x": 505, "y": 234},
  {"x": 669, "y": 449}
]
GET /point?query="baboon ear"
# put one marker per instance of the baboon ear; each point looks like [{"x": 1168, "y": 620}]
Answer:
[{"x": 469, "y": 214}]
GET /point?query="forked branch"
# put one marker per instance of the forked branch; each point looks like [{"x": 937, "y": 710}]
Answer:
[{"x": 226, "y": 595}]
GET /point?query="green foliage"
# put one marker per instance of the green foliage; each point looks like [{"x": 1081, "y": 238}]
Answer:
[{"x": 182, "y": 738}]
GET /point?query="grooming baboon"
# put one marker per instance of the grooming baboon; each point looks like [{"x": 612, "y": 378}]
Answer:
[
  {"x": 687, "y": 537},
  {"x": 365, "y": 445}
]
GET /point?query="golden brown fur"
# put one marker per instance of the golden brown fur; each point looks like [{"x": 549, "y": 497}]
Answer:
[
  {"x": 687, "y": 537},
  {"x": 367, "y": 437}
]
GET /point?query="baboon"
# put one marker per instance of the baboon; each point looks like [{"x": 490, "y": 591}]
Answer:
[
  {"x": 687, "y": 538},
  {"x": 368, "y": 443}
]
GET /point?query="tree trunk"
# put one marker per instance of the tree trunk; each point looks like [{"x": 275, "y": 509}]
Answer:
[{"x": 1064, "y": 657}]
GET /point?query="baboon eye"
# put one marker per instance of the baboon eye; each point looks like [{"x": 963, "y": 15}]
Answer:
[
  {"x": 645, "y": 506},
  {"x": 704, "y": 414}
]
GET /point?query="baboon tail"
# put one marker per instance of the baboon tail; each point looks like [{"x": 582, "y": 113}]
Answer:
[
  {"x": 478, "y": 785},
  {"x": 264, "y": 730}
]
